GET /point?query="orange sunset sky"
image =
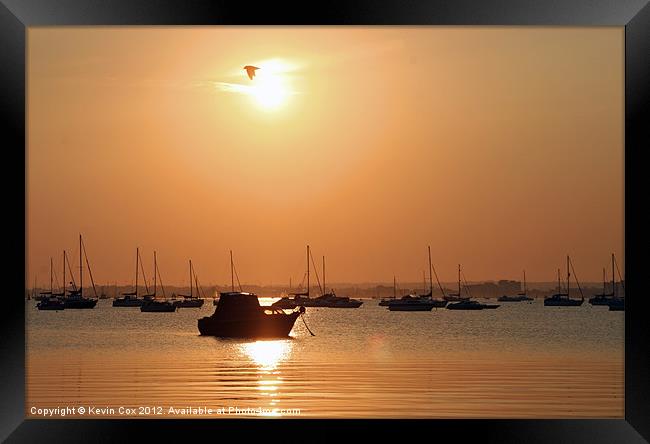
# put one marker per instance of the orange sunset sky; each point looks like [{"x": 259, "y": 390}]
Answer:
[{"x": 502, "y": 148}]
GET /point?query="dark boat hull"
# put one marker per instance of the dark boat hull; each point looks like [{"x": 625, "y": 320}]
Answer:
[
  {"x": 617, "y": 305},
  {"x": 563, "y": 303},
  {"x": 127, "y": 302},
  {"x": 410, "y": 307},
  {"x": 463, "y": 306},
  {"x": 158, "y": 307},
  {"x": 80, "y": 303},
  {"x": 191, "y": 303},
  {"x": 50, "y": 306},
  {"x": 601, "y": 300},
  {"x": 277, "y": 325}
]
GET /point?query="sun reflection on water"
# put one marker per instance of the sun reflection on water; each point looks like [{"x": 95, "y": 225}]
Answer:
[{"x": 268, "y": 354}]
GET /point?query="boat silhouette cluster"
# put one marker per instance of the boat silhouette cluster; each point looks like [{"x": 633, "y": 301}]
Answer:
[{"x": 239, "y": 314}]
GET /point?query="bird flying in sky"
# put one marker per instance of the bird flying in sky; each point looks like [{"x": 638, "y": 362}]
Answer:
[{"x": 250, "y": 70}]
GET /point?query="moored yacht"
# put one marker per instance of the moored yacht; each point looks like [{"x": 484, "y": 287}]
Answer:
[
  {"x": 131, "y": 299},
  {"x": 299, "y": 298},
  {"x": 75, "y": 298},
  {"x": 191, "y": 300},
  {"x": 331, "y": 300},
  {"x": 468, "y": 303},
  {"x": 151, "y": 304},
  {"x": 240, "y": 315},
  {"x": 606, "y": 298},
  {"x": 48, "y": 300},
  {"x": 560, "y": 299},
  {"x": 519, "y": 297}
]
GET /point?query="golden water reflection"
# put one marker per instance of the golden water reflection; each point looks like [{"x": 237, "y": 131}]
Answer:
[{"x": 268, "y": 355}]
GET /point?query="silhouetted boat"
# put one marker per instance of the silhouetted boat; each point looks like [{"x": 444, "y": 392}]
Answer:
[
  {"x": 411, "y": 303},
  {"x": 131, "y": 299},
  {"x": 151, "y": 304},
  {"x": 387, "y": 302},
  {"x": 331, "y": 300},
  {"x": 455, "y": 297},
  {"x": 519, "y": 297},
  {"x": 299, "y": 299},
  {"x": 240, "y": 315},
  {"x": 617, "y": 304},
  {"x": 437, "y": 303},
  {"x": 563, "y": 299},
  {"x": 468, "y": 303},
  {"x": 191, "y": 301},
  {"x": 606, "y": 298},
  {"x": 75, "y": 298},
  {"x": 48, "y": 301}
]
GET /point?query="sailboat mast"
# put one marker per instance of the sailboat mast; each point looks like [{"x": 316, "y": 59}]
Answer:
[
  {"x": 232, "y": 274},
  {"x": 81, "y": 271},
  {"x": 64, "y": 273},
  {"x": 191, "y": 292},
  {"x": 155, "y": 268},
  {"x": 137, "y": 256},
  {"x": 525, "y": 288},
  {"x": 568, "y": 276},
  {"x": 430, "y": 275},
  {"x": 459, "y": 280},
  {"x": 307, "y": 270},
  {"x": 51, "y": 288},
  {"x": 613, "y": 279},
  {"x": 324, "y": 275}
]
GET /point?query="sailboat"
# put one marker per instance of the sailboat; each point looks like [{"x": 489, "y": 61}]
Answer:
[
  {"x": 454, "y": 297},
  {"x": 438, "y": 303},
  {"x": 519, "y": 297},
  {"x": 564, "y": 299},
  {"x": 605, "y": 298},
  {"x": 240, "y": 315},
  {"x": 48, "y": 300},
  {"x": 387, "y": 301},
  {"x": 191, "y": 301},
  {"x": 331, "y": 300},
  {"x": 299, "y": 298},
  {"x": 469, "y": 304},
  {"x": 150, "y": 303},
  {"x": 75, "y": 298},
  {"x": 131, "y": 299}
]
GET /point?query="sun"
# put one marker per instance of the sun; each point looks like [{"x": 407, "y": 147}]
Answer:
[{"x": 269, "y": 91}]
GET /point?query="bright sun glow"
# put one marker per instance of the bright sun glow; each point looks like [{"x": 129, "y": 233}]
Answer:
[
  {"x": 270, "y": 89},
  {"x": 267, "y": 354}
]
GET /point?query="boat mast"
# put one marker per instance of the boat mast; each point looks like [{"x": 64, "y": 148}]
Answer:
[
  {"x": 324, "y": 275},
  {"x": 191, "y": 292},
  {"x": 51, "y": 288},
  {"x": 232, "y": 274},
  {"x": 155, "y": 267},
  {"x": 613, "y": 281},
  {"x": 137, "y": 256},
  {"x": 63, "y": 273},
  {"x": 459, "y": 281},
  {"x": 307, "y": 270},
  {"x": 525, "y": 289},
  {"x": 430, "y": 275},
  {"x": 568, "y": 276},
  {"x": 81, "y": 270}
]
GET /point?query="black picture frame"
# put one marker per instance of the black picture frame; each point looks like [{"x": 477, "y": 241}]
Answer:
[{"x": 17, "y": 15}]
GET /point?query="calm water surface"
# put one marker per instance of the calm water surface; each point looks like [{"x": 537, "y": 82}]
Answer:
[{"x": 520, "y": 360}]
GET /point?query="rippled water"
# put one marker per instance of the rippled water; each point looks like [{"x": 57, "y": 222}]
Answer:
[{"x": 520, "y": 360}]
